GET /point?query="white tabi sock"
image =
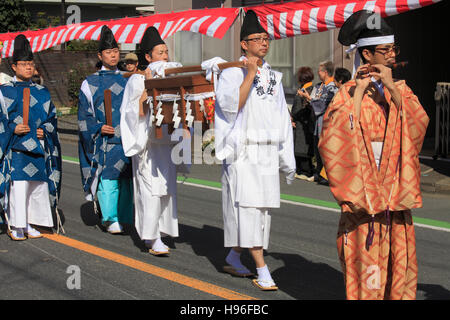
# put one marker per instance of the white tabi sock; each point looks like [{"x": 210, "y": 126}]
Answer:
[
  {"x": 264, "y": 274},
  {"x": 32, "y": 231},
  {"x": 158, "y": 245},
  {"x": 18, "y": 232},
  {"x": 234, "y": 259}
]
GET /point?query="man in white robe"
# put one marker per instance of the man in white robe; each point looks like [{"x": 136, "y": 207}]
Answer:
[
  {"x": 154, "y": 172},
  {"x": 254, "y": 139}
]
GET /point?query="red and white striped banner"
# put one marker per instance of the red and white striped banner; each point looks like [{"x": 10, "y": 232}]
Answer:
[
  {"x": 212, "y": 22},
  {"x": 281, "y": 20},
  {"x": 290, "y": 19}
]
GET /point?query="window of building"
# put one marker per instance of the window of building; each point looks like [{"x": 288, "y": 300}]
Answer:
[
  {"x": 312, "y": 49},
  {"x": 285, "y": 55},
  {"x": 188, "y": 48},
  {"x": 281, "y": 58},
  {"x": 193, "y": 48},
  {"x": 213, "y": 47}
]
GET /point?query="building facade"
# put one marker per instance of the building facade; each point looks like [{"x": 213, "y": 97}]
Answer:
[
  {"x": 421, "y": 34},
  {"x": 285, "y": 55},
  {"x": 89, "y": 10}
]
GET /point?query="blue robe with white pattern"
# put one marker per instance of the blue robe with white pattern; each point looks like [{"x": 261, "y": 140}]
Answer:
[
  {"x": 24, "y": 157},
  {"x": 101, "y": 155}
]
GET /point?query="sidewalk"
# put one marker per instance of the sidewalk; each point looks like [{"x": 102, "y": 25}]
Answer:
[{"x": 435, "y": 174}]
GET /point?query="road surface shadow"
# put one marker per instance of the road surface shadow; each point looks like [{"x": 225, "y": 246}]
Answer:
[
  {"x": 207, "y": 242},
  {"x": 91, "y": 219},
  {"x": 299, "y": 277},
  {"x": 303, "y": 279},
  {"x": 441, "y": 167},
  {"x": 434, "y": 291}
]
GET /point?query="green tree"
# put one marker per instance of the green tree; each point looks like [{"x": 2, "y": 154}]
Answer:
[
  {"x": 14, "y": 16},
  {"x": 77, "y": 74},
  {"x": 43, "y": 21},
  {"x": 82, "y": 45}
]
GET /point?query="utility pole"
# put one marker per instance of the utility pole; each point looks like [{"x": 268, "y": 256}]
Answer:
[{"x": 63, "y": 21}]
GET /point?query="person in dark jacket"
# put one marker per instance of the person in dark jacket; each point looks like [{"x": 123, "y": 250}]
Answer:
[
  {"x": 320, "y": 98},
  {"x": 341, "y": 76},
  {"x": 303, "y": 119}
]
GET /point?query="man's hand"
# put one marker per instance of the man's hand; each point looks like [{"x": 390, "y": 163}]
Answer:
[
  {"x": 362, "y": 77},
  {"x": 40, "y": 134},
  {"x": 107, "y": 130},
  {"x": 385, "y": 74},
  {"x": 148, "y": 74},
  {"x": 304, "y": 94},
  {"x": 21, "y": 129},
  {"x": 362, "y": 82},
  {"x": 252, "y": 65},
  {"x": 143, "y": 109}
]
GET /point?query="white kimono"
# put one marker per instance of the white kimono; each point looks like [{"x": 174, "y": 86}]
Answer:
[
  {"x": 254, "y": 143},
  {"x": 154, "y": 173}
]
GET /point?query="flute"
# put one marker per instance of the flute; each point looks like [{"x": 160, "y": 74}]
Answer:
[{"x": 393, "y": 66}]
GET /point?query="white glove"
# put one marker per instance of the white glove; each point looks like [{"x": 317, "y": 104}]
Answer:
[
  {"x": 158, "y": 67},
  {"x": 211, "y": 66}
]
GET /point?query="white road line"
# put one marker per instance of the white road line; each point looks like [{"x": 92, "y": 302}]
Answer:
[
  {"x": 199, "y": 185},
  {"x": 309, "y": 205},
  {"x": 289, "y": 202},
  {"x": 431, "y": 227},
  {"x": 70, "y": 161}
]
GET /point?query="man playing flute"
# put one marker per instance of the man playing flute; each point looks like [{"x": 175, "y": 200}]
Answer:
[{"x": 372, "y": 134}]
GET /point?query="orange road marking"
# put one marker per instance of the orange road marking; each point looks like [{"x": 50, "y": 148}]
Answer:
[{"x": 151, "y": 269}]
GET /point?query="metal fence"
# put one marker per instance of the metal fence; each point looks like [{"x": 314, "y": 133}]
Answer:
[{"x": 442, "y": 137}]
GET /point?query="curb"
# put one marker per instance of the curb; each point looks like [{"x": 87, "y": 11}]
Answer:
[
  {"x": 68, "y": 137},
  {"x": 433, "y": 187}
]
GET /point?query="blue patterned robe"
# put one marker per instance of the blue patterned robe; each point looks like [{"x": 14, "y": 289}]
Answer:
[
  {"x": 100, "y": 156},
  {"x": 24, "y": 157}
]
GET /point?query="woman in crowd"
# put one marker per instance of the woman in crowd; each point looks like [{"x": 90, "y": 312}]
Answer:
[{"x": 303, "y": 119}]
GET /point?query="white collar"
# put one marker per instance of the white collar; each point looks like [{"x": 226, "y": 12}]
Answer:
[
  {"x": 15, "y": 80},
  {"x": 104, "y": 69},
  {"x": 379, "y": 83}
]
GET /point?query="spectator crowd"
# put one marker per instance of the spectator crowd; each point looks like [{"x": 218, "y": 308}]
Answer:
[{"x": 309, "y": 106}]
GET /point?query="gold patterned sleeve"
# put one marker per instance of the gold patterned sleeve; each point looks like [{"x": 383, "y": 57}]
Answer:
[
  {"x": 339, "y": 146},
  {"x": 415, "y": 118}
]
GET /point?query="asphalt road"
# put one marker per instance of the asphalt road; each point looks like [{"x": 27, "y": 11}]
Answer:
[{"x": 302, "y": 254}]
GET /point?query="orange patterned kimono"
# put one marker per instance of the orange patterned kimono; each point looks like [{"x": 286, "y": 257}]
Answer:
[{"x": 376, "y": 241}]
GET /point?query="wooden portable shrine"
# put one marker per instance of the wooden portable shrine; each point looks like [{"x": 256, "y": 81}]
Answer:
[
  {"x": 177, "y": 85},
  {"x": 181, "y": 85}
]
